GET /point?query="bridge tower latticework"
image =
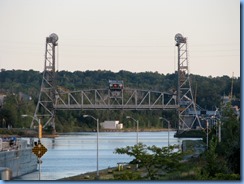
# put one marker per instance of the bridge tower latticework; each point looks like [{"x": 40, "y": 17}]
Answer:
[
  {"x": 51, "y": 98},
  {"x": 187, "y": 112},
  {"x": 45, "y": 106}
]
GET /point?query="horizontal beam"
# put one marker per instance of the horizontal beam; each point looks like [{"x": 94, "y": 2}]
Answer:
[{"x": 114, "y": 107}]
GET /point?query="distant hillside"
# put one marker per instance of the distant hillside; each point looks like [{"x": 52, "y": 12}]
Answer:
[
  {"x": 209, "y": 89},
  {"x": 19, "y": 83}
]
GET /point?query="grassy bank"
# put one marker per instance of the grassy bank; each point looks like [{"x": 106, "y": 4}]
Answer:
[
  {"x": 187, "y": 171},
  {"x": 111, "y": 173}
]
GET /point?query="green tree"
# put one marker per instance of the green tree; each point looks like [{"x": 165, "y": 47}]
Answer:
[
  {"x": 6, "y": 118},
  {"x": 10, "y": 110},
  {"x": 230, "y": 143},
  {"x": 214, "y": 163},
  {"x": 222, "y": 160},
  {"x": 154, "y": 159}
]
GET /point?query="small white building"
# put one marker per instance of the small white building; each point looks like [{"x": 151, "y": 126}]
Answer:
[{"x": 112, "y": 125}]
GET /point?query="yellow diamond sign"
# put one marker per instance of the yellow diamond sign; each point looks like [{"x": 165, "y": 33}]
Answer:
[{"x": 39, "y": 150}]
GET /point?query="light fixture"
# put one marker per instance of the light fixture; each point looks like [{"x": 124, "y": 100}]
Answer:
[
  {"x": 53, "y": 38},
  {"x": 179, "y": 38}
]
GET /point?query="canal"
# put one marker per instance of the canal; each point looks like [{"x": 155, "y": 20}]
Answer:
[{"x": 75, "y": 153}]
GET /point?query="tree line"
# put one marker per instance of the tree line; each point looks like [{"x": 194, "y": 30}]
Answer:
[{"x": 23, "y": 87}]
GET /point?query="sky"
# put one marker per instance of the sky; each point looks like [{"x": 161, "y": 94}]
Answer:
[{"x": 131, "y": 35}]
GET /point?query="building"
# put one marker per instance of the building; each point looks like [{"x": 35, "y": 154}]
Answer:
[{"x": 112, "y": 125}]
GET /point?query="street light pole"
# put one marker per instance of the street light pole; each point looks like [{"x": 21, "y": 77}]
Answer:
[
  {"x": 97, "y": 148},
  {"x": 137, "y": 128},
  {"x": 168, "y": 127},
  {"x": 219, "y": 124},
  {"x": 218, "y": 132},
  {"x": 97, "y": 120},
  {"x": 207, "y": 132},
  {"x": 206, "y": 129},
  {"x": 168, "y": 134}
]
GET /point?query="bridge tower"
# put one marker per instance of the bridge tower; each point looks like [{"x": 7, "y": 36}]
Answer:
[
  {"x": 187, "y": 113},
  {"x": 45, "y": 106}
]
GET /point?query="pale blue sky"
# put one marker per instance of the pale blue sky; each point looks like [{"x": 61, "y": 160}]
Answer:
[{"x": 132, "y": 35}]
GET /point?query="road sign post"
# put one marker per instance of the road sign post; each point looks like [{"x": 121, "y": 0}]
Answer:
[
  {"x": 40, "y": 131},
  {"x": 39, "y": 150}
]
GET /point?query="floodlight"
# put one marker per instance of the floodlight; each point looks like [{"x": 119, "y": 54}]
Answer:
[{"x": 53, "y": 37}]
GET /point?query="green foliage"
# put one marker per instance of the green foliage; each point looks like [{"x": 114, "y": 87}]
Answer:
[
  {"x": 127, "y": 175},
  {"x": 230, "y": 143},
  {"x": 214, "y": 164},
  {"x": 154, "y": 159},
  {"x": 222, "y": 160},
  {"x": 209, "y": 92},
  {"x": 13, "y": 107},
  {"x": 221, "y": 176}
]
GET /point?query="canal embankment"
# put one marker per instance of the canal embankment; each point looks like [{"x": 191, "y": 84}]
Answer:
[{"x": 191, "y": 148}]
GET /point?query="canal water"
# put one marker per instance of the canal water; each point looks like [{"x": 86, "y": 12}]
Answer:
[{"x": 75, "y": 153}]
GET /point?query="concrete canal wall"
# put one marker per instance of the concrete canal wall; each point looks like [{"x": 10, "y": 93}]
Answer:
[
  {"x": 18, "y": 158},
  {"x": 19, "y": 161}
]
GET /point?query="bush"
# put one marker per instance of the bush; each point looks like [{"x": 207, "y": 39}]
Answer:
[{"x": 127, "y": 175}]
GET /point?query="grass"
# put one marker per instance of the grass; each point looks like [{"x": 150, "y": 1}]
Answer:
[
  {"x": 129, "y": 172},
  {"x": 187, "y": 171}
]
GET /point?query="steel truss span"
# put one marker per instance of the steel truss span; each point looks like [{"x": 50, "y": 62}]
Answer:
[
  {"x": 115, "y": 97},
  {"x": 126, "y": 99}
]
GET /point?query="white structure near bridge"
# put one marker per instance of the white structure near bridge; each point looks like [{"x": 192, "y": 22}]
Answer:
[{"x": 112, "y": 125}]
